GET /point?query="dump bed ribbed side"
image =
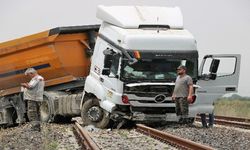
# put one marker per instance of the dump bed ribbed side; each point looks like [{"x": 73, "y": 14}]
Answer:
[{"x": 59, "y": 55}]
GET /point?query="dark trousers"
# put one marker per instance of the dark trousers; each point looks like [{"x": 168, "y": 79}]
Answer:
[
  {"x": 181, "y": 107},
  {"x": 210, "y": 120},
  {"x": 33, "y": 111}
]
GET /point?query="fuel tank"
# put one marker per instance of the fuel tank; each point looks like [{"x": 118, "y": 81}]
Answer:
[{"x": 60, "y": 55}]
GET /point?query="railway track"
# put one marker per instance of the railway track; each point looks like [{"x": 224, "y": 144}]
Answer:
[
  {"x": 230, "y": 121},
  {"x": 84, "y": 138},
  {"x": 172, "y": 139},
  {"x": 88, "y": 142},
  {"x": 233, "y": 119},
  {"x": 61, "y": 136}
]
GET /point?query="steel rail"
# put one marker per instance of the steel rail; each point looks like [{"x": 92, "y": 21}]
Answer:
[
  {"x": 233, "y": 118},
  {"x": 229, "y": 121},
  {"x": 86, "y": 140},
  {"x": 230, "y": 118},
  {"x": 172, "y": 139}
]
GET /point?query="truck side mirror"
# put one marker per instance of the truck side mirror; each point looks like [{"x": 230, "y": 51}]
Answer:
[
  {"x": 105, "y": 71},
  {"x": 107, "y": 61},
  {"x": 108, "y": 56},
  {"x": 214, "y": 68}
]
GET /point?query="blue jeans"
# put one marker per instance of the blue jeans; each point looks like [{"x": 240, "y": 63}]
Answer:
[{"x": 210, "y": 120}]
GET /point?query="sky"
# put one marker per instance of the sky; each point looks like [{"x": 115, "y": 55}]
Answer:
[{"x": 219, "y": 26}]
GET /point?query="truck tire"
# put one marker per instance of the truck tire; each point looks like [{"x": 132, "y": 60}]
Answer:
[
  {"x": 46, "y": 110},
  {"x": 93, "y": 114}
]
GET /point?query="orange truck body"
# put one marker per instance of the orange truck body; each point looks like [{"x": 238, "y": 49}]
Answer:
[{"x": 59, "y": 55}]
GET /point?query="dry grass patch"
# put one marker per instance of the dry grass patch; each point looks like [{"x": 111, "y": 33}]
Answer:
[{"x": 234, "y": 108}]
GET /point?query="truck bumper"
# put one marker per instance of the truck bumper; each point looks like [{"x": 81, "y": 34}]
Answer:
[{"x": 171, "y": 117}]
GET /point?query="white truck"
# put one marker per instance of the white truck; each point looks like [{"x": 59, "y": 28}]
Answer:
[{"x": 132, "y": 69}]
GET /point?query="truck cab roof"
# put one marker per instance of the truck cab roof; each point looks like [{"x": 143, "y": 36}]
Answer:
[
  {"x": 149, "y": 38},
  {"x": 134, "y": 16},
  {"x": 145, "y": 27}
]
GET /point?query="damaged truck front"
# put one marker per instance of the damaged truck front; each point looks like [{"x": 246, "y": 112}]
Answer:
[{"x": 134, "y": 63}]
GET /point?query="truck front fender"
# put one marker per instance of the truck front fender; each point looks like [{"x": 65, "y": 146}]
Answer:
[{"x": 92, "y": 85}]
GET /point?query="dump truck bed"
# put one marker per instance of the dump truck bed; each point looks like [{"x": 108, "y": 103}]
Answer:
[{"x": 60, "y": 55}]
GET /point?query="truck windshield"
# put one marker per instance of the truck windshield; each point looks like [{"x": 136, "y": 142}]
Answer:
[{"x": 157, "y": 69}]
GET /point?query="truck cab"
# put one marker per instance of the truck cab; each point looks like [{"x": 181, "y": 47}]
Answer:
[{"x": 133, "y": 67}]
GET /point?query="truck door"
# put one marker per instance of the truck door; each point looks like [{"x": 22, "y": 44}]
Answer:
[{"x": 218, "y": 75}]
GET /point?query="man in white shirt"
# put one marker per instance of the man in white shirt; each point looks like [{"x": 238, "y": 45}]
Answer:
[{"x": 33, "y": 93}]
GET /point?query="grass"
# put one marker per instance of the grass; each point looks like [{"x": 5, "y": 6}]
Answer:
[
  {"x": 53, "y": 145},
  {"x": 123, "y": 134},
  {"x": 235, "y": 108},
  {"x": 49, "y": 143}
]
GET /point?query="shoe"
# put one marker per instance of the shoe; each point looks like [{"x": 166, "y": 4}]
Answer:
[
  {"x": 36, "y": 127},
  {"x": 210, "y": 126},
  {"x": 185, "y": 121},
  {"x": 181, "y": 121}
]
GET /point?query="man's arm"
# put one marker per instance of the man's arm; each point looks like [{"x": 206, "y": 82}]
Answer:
[
  {"x": 25, "y": 85},
  {"x": 31, "y": 84},
  {"x": 173, "y": 97},
  {"x": 190, "y": 92}
]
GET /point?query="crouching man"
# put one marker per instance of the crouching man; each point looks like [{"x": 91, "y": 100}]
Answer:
[{"x": 33, "y": 94}]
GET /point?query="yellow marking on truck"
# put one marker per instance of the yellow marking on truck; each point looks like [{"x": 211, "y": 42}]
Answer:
[{"x": 109, "y": 94}]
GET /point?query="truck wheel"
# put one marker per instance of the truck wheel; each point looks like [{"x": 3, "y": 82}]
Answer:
[
  {"x": 45, "y": 110},
  {"x": 92, "y": 113}
]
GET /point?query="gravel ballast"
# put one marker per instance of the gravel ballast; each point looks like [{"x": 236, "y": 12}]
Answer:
[
  {"x": 51, "y": 137},
  {"x": 123, "y": 139},
  {"x": 60, "y": 136},
  {"x": 218, "y": 137}
]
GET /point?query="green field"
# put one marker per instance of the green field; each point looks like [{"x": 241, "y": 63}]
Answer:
[{"x": 235, "y": 108}]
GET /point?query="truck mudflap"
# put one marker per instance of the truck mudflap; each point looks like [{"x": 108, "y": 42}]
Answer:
[{"x": 138, "y": 116}]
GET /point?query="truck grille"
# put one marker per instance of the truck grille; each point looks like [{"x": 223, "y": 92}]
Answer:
[
  {"x": 150, "y": 90},
  {"x": 150, "y": 94}
]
